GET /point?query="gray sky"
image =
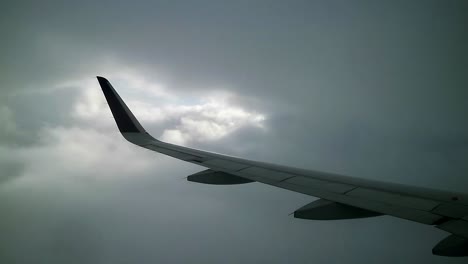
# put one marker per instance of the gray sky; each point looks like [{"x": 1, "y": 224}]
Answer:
[{"x": 373, "y": 89}]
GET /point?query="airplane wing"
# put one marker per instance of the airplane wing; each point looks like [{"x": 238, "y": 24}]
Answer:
[{"x": 342, "y": 197}]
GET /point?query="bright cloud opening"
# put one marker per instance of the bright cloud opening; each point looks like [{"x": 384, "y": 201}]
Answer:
[{"x": 208, "y": 117}]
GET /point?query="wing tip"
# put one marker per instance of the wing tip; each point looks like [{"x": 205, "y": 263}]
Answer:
[
  {"x": 102, "y": 80},
  {"x": 126, "y": 121}
]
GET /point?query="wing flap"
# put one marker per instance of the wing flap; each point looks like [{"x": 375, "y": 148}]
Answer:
[
  {"x": 457, "y": 227},
  {"x": 333, "y": 187},
  {"x": 412, "y": 214},
  {"x": 258, "y": 172},
  {"x": 394, "y": 198},
  {"x": 451, "y": 210},
  {"x": 224, "y": 164}
]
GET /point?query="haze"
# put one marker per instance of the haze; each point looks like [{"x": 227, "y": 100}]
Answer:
[{"x": 373, "y": 89}]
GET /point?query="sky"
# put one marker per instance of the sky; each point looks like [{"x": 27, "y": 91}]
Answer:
[{"x": 372, "y": 89}]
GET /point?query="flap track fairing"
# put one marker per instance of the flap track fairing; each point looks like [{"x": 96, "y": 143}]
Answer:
[
  {"x": 217, "y": 178},
  {"x": 327, "y": 210}
]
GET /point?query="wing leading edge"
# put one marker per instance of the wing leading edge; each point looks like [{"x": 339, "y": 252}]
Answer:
[{"x": 342, "y": 197}]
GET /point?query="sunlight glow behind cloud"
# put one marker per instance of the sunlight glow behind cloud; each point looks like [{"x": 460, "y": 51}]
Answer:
[{"x": 209, "y": 117}]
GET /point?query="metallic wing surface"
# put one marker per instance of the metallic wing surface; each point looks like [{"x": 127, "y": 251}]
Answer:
[{"x": 341, "y": 197}]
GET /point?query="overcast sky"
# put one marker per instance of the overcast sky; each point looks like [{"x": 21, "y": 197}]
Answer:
[{"x": 372, "y": 89}]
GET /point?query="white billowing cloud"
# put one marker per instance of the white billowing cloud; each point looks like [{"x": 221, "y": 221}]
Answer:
[
  {"x": 207, "y": 121},
  {"x": 148, "y": 113},
  {"x": 175, "y": 136},
  {"x": 209, "y": 117}
]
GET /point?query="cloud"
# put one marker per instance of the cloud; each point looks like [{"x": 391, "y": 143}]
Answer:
[
  {"x": 369, "y": 90},
  {"x": 209, "y": 121},
  {"x": 11, "y": 166},
  {"x": 207, "y": 117},
  {"x": 7, "y": 120}
]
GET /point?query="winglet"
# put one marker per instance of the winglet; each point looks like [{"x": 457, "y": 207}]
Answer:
[{"x": 124, "y": 118}]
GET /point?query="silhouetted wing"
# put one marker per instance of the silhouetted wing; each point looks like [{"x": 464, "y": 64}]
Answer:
[{"x": 343, "y": 197}]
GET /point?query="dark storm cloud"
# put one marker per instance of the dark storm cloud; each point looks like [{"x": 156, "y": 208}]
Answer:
[{"x": 370, "y": 89}]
